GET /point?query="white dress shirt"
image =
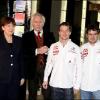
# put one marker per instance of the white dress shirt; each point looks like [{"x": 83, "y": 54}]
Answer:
[
  {"x": 90, "y": 67},
  {"x": 41, "y": 33},
  {"x": 64, "y": 64}
]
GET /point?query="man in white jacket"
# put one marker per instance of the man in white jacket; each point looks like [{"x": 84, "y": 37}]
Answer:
[
  {"x": 90, "y": 53},
  {"x": 64, "y": 66}
]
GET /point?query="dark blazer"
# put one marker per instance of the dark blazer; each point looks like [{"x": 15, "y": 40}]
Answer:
[
  {"x": 11, "y": 60},
  {"x": 30, "y": 45}
]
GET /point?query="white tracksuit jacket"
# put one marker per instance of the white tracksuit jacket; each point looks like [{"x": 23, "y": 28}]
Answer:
[
  {"x": 90, "y": 67},
  {"x": 64, "y": 64}
]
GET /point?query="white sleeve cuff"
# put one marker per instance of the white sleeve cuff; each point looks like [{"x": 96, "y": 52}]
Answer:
[
  {"x": 45, "y": 78},
  {"x": 36, "y": 52}
]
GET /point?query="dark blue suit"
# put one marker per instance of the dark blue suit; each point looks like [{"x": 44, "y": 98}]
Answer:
[{"x": 11, "y": 68}]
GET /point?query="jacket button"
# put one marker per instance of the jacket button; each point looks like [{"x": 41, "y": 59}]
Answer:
[
  {"x": 11, "y": 64},
  {"x": 11, "y": 55}
]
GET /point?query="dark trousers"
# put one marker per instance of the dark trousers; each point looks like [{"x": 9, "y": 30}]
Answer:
[
  {"x": 22, "y": 92},
  {"x": 33, "y": 87},
  {"x": 9, "y": 91},
  {"x": 62, "y": 94},
  {"x": 36, "y": 83}
]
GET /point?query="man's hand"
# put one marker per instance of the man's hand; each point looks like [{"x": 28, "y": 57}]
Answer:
[
  {"x": 42, "y": 50},
  {"x": 45, "y": 84},
  {"x": 76, "y": 91}
]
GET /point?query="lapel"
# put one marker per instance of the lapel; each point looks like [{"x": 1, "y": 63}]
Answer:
[{"x": 44, "y": 37}]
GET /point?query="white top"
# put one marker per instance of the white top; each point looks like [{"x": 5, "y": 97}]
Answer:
[
  {"x": 65, "y": 65},
  {"x": 91, "y": 67}
]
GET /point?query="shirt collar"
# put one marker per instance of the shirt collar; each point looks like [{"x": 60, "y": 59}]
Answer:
[
  {"x": 94, "y": 43},
  {"x": 36, "y": 33},
  {"x": 67, "y": 42}
]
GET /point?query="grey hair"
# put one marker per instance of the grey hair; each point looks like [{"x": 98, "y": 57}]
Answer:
[{"x": 40, "y": 15}]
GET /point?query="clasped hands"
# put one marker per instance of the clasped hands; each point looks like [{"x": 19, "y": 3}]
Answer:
[{"x": 42, "y": 50}]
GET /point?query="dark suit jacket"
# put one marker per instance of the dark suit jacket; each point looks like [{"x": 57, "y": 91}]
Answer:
[
  {"x": 11, "y": 60},
  {"x": 30, "y": 45}
]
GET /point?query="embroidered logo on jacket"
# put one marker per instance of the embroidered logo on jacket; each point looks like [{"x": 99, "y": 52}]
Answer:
[
  {"x": 84, "y": 53},
  {"x": 55, "y": 50}
]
